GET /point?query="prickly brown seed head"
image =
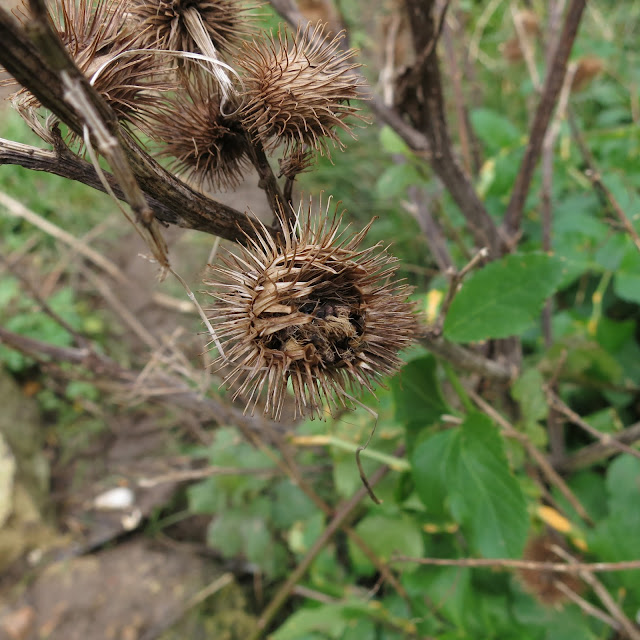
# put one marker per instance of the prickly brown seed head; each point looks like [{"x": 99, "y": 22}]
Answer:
[
  {"x": 298, "y": 89},
  {"x": 207, "y": 140},
  {"x": 92, "y": 34},
  {"x": 588, "y": 68},
  {"x": 312, "y": 309},
  {"x": 178, "y": 24},
  {"x": 542, "y": 583},
  {"x": 297, "y": 161}
]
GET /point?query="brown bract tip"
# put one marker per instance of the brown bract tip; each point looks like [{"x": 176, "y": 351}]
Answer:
[{"x": 312, "y": 310}]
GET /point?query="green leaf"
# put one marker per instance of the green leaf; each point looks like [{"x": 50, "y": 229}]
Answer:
[
  {"x": 290, "y": 505},
  {"x": 489, "y": 500},
  {"x": 430, "y": 465},
  {"x": 503, "y": 298},
  {"x": 395, "y": 180},
  {"x": 528, "y": 391},
  {"x": 494, "y": 129},
  {"x": 433, "y": 582},
  {"x": 470, "y": 465},
  {"x": 417, "y": 396},
  {"x": 224, "y": 533},
  {"x": 391, "y": 142},
  {"x": 326, "y": 619},
  {"x": 623, "y": 483},
  {"x": 387, "y": 535}
]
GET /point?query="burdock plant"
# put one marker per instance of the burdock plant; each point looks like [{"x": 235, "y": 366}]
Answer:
[{"x": 303, "y": 307}]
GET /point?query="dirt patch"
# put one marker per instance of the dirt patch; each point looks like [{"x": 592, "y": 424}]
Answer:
[{"x": 119, "y": 594}]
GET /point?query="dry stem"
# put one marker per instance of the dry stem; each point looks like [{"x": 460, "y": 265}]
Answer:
[{"x": 552, "y": 87}]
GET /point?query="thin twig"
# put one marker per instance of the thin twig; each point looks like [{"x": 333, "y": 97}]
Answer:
[
  {"x": 462, "y": 118},
  {"x": 455, "y": 280},
  {"x": 586, "y": 573},
  {"x": 594, "y": 176},
  {"x": 128, "y": 317},
  {"x": 435, "y": 238},
  {"x": 522, "y": 565},
  {"x": 586, "y": 606},
  {"x": 110, "y": 375},
  {"x": 551, "y": 90},
  {"x": 79, "y": 339},
  {"x": 598, "y": 451},
  {"x": 198, "y": 598},
  {"x": 554, "y": 426},
  {"x": 18, "y": 210},
  {"x": 343, "y": 513},
  {"x": 187, "y": 475},
  {"x": 524, "y": 41},
  {"x": 605, "y": 439},
  {"x": 465, "y": 359}
]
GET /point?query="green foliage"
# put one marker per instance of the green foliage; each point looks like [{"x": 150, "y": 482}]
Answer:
[
  {"x": 467, "y": 471},
  {"x": 503, "y": 298},
  {"x": 20, "y": 314}
]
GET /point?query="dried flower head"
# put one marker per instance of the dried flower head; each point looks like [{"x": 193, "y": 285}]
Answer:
[
  {"x": 587, "y": 69},
  {"x": 297, "y": 161},
  {"x": 131, "y": 84},
  {"x": 298, "y": 89},
  {"x": 180, "y": 25},
  {"x": 208, "y": 143},
  {"x": 542, "y": 583},
  {"x": 311, "y": 307}
]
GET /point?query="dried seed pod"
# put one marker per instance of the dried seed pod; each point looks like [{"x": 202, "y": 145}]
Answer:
[
  {"x": 311, "y": 308},
  {"x": 298, "y": 89},
  {"x": 179, "y": 25},
  {"x": 208, "y": 146},
  {"x": 588, "y": 68},
  {"x": 542, "y": 583},
  {"x": 529, "y": 21},
  {"x": 131, "y": 84},
  {"x": 297, "y": 161}
]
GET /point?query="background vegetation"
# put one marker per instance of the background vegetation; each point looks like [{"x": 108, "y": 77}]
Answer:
[{"x": 507, "y": 442}]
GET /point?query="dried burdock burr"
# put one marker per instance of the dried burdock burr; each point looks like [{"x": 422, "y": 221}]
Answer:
[
  {"x": 587, "y": 69},
  {"x": 190, "y": 25},
  {"x": 297, "y": 161},
  {"x": 543, "y": 583},
  {"x": 298, "y": 89},
  {"x": 311, "y": 309},
  {"x": 207, "y": 141},
  {"x": 92, "y": 32}
]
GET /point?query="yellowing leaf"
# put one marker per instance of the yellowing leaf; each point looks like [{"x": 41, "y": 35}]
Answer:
[
  {"x": 434, "y": 298},
  {"x": 555, "y": 520}
]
